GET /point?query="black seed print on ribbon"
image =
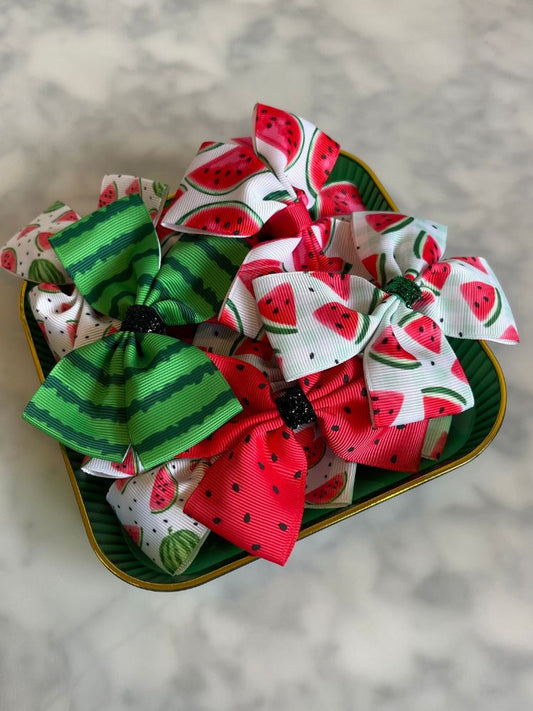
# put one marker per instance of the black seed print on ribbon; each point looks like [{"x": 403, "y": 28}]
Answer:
[
  {"x": 282, "y": 526},
  {"x": 294, "y": 408},
  {"x": 256, "y": 546},
  {"x": 246, "y": 518},
  {"x": 235, "y": 487}
]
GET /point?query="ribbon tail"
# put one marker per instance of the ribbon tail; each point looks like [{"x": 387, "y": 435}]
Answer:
[
  {"x": 465, "y": 296},
  {"x": 253, "y": 496},
  {"x": 150, "y": 508},
  {"x": 81, "y": 402},
  {"x": 174, "y": 397},
  {"x": 412, "y": 372}
]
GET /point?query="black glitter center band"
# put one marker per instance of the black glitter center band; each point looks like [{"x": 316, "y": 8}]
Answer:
[
  {"x": 295, "y": 408},
  {"x": 143, "y": 319}
]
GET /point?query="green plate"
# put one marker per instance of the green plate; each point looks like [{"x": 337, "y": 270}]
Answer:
[{"x": 470, "y": 433}]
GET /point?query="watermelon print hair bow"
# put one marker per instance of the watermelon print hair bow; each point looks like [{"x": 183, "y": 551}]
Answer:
[
  {"x": 138, "y": 386},
  {"x": 253, "y": 493},
  {"x": 399, "y": 322},
  {"x": 269, "y": 187}
]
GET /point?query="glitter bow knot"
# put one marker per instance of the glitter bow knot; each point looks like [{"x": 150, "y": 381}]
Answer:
[
  {"x": 253, "y": 493},
  {"x": 399, "y": 322},
  {"x": 138, "y": 386}
]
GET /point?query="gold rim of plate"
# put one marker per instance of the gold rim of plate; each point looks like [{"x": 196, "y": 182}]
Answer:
[{"x": 341, "y": 515}]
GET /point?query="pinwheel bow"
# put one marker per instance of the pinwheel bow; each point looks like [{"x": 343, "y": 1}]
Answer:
[
  {"x": 138, "y": 386},
  {"x": 253, "y": 493},
  {"x": 317, "y": 320}
]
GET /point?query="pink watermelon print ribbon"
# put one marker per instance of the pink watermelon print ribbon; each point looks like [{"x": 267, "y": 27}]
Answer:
[
  {"x": 150, "y": 508},
  {"x": 399, "y": 323},
  {"x": 253, "y": 493},
  {"x": 233, "y": 189}
]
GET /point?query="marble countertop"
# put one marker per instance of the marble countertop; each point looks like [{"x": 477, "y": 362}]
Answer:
[{"x": 421, "y": 603}]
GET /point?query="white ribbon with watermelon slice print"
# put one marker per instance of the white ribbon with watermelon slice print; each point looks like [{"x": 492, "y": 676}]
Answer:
[
  {"x": 326, "y": 245},
  {"x": 315, "y": 321},
  {"x": 150, "y": 508},
  {"x": 461, "y": 294},
  {"x": 66, "y": 320},
  {"x": 234, "y": 188},
  {"x": 29, "y": 254}
]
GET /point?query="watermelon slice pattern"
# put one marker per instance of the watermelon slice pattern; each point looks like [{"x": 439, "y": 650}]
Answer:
[
  {"x": 68, "y": 320},
  {"x": 326, "y": 246},
  {"x": 404, "y": 351},
  {"x": 288, "y": 157},
  {"x": 152, "y": 192},
  {"x": 150, "y": 505},
  {"x": 29, "y": 253},
  {"x": 460, "y": 297}
]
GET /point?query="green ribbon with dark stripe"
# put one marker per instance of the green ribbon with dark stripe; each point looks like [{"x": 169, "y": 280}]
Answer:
[{"x": 148, "y": 390}]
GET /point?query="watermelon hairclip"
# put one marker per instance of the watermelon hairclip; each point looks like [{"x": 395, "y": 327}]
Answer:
[{"x": 399, "y": 319}]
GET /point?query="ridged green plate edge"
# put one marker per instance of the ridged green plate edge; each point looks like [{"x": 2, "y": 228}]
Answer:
[{"x": 471, "y": 433}]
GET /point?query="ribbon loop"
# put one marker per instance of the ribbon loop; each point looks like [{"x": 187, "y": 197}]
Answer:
[
  {"x": 259, "y": 473},
  {"x": 233, "y": 189}
]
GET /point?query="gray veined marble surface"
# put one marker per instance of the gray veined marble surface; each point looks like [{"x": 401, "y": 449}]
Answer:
[{"x": 424, "y": 602}]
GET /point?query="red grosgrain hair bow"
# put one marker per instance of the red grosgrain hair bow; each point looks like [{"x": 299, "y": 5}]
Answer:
[
  {"x": 399, "y": 322},
  {"x": 253, "y": 493}
]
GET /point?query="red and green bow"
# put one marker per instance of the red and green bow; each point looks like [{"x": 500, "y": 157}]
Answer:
[{"x": 253, "y": 493}]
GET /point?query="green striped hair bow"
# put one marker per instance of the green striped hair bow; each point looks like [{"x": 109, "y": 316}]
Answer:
[{"x": 138, "y": 386}]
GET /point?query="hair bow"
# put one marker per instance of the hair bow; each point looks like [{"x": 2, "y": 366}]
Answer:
[
  {"x": 233, "y": 189},
  {"x": 271, "y": 186},
  {"x": 400, "y": 322},
  {"x": 138, "y": 386},
  {"x": 63, "y": 315},
  {"x": 253, "y": 493}
]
